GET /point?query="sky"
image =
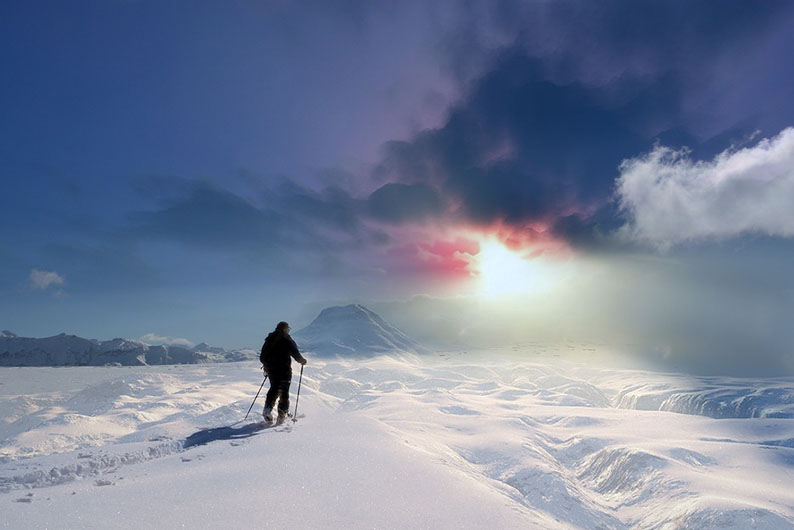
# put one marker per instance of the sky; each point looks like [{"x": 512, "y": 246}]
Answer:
[{"x": 480, "y": 172}]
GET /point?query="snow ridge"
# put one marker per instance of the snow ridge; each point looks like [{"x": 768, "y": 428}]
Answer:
[
  {"x": 715, "y": 399},
  {"x": 91, "y": 466},
  {"x": 545, "y": 440}
]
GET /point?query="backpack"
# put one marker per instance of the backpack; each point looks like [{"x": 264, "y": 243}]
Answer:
[
  {"x": 267, "y": 348},
  {"x": 263, "y": 354}
]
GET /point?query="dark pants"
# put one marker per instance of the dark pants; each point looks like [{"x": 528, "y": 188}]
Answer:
[{"x": 279, "y": 388}]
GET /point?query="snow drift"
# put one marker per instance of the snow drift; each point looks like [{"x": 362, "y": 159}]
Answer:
[{"x": 464, "y": 440}]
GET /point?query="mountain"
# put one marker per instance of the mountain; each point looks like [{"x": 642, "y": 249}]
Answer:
[
  {"x": 71, "y": 350},
  {"x": 204, "y": 347},
  {"x": 353, "y": 330}
]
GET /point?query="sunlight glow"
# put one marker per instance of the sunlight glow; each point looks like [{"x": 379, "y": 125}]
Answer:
[{"x": 502, "y": 271}]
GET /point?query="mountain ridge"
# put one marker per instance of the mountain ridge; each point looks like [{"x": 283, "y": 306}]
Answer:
[
  {"x": 350, "y": 330},
  {"x": 70, "y": 350}
]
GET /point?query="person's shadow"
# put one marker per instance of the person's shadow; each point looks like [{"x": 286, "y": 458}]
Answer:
[{"x": 206, "y": 436}]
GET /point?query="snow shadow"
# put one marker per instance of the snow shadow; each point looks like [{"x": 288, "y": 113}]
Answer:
[{"x": 213, "y": 434}]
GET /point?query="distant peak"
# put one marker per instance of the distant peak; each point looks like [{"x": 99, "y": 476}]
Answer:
[
  {"x": 353, "y": 329},
  {"x": 345, "y": 310},
  {"x": 204, "y": 347},
  {"x": 7, "y": 334}
]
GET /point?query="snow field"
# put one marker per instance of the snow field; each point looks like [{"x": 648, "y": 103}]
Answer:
[{"x": 460, "y": 441}]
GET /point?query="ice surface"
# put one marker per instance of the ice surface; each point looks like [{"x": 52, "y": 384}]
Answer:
[{"x": 480, "y": 440}]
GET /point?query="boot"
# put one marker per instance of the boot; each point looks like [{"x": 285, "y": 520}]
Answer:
[
  {"x": 268, "y": 414},
  {"x": 282, "y": 415}
]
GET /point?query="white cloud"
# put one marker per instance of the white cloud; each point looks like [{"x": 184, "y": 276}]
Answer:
[
  {"x": 671, "y": 199},
  {"x": 41, "y": 280},
  {"x": 151, "y": 338}
]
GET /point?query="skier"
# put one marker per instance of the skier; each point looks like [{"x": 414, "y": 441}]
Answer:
[{"x": 276, "y": 361}]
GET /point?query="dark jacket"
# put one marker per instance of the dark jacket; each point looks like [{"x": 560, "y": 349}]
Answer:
[{"x": 277, "y": 354}]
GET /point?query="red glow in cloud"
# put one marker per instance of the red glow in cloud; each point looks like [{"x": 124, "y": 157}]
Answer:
[
  {"x": 449, "y": 258},
  {"x": 456, "y": 256},
  {"x": 449, "y": 251},
  {"x": 530, "y": 240}
]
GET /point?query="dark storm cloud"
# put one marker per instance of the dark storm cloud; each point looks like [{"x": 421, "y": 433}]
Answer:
[
  {"x": 598, "y": 42},
  {"x": 286, "y": 216},
  {"x": 332, "y": 206},
  {"x": 400, "y": 202},
  {"x": 283, "y": 219},
  {"x": 565, "y": 91},
  {"x": 520, "y": 148}
]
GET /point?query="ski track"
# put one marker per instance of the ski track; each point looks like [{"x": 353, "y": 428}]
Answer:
[{"x": 585, "y": 447}]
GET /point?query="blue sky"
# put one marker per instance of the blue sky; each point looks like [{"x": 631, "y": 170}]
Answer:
[{"x": 203, "y": 170}]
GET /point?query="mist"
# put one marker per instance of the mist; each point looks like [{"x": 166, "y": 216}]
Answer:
[{"x": 688, "y": 311}]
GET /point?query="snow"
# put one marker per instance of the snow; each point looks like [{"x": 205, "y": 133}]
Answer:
[
  {"x": 71, "y": 350},
  {"x": 353, "y": 330},
  {"x": 490, "y": 439},
  {"x": 341, "y": 330},
  {"x": 204, "y": 347}
]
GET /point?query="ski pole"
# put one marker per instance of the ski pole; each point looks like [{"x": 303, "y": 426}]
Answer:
[
  {"x": 257, "y": 395},
  {"x": 297, "y": 398}
]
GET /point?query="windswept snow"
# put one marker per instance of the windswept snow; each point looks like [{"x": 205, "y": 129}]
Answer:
[
  {"x": 477, "y": 440},
  {"x": 713, "y": 396}
]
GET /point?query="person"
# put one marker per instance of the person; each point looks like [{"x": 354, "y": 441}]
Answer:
[{"x": 277, "y": 353}]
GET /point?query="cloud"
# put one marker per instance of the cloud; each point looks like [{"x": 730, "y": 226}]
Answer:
[
  {"x": 209, "y": 216},
  {"x": 557, "y": 94},
  {"x": 151, "y": 338},
  {"x": 447, "y": 257},
  {"x": 600, "y": 43},
  {"x": 671, "y": 199},
  {"x": 518, "y": 151},
  {"x": 205, "y": 215},
  {"x": 286, "y": 226},
  {"x": 41, "y": 280},
  {"x": 396, "y": 202}
]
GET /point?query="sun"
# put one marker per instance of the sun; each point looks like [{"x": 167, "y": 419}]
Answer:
[{"x": 503, "y": 271}]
